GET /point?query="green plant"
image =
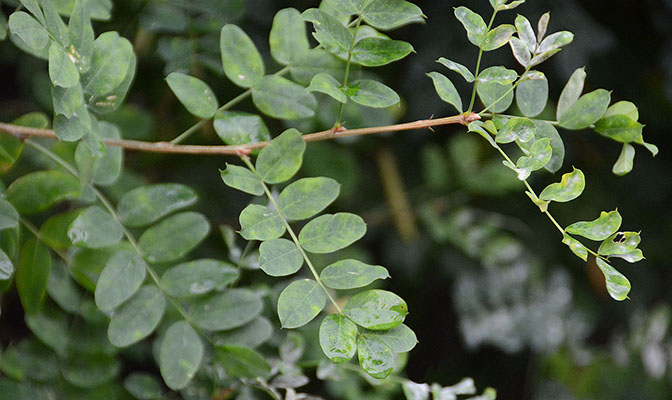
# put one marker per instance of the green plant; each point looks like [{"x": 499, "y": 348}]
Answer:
[{"x": 124, "y": 286}]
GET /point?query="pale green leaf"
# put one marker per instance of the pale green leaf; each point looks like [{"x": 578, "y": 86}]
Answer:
[
  {"x": 546, "y": 130},
  {"x": 73, "y": 128},
  {"x": 32, "y": 275},
  {"x": 376, "y": 309},
  {"x": 516, "y": 129},
  {"x": 631, "y": 257},
  {"x": 329, "y": 31},
  {"x": 570, "y": 187},
  {"x": 63, "y": 290},
  {"x": 147, "y": 204},
  {"x": 598, "y": 229},
  {"x": 39, "y": 191},
  {"x": 242, "y": 179},
  {"x": 283, "y": 99},
  {"x": 375, "y": 357},
  {"x": 236, "y": 127},
  {"x": 510, "y": 6},
  {"x": 253, "y": 334},
  {"x": 306, "y": 197},
  {"x": 498, "y": 37},
  {"x": 532, "y": 94},
  {"x": 300, "y": 302},
  {"x": 281, "y": 159},
  {"x": 587, "y": 110},
  {"x": 312, "y": 62},
  {"x": 29, "y": 30},
  {"x": 446, "y": 90},
  {"x": 571, "y": 92},
  {"x": 143, "y": 386},
  {"x": 288, "y": 38},
  {"x": 576, "y": 247},
  {"x": 54, "y": 24},
  {"x": 539, "y": 155},
  {"x": 391, "y": 14},
  {"x": 327, "y": 84},
  {"x": 330, "y": 232},
  {"x": 620, "y": 128},
  {"x": 477, "y": 126},
  {"x": 260, "y": 223},
  {"x": 457, "y": 67},
  {"x": 618, "y": 285},
  {"x": 473, "y": 24},
  {"x": 338, "y": 338},
  {"x": 120, "y": 279},
  {"x": 194, "y": 94},
  {"x": 81, "y": 34},
  {"x": 494, "y": 85},
  {"x": 62, "y": 70},
  {"x": 95, "y": 228},
  {"x": 400, "y": 339},
  {"x": 112, "y": 57},
  {"x": 67, "y": 101},
  {"x": 520, "y": 51},
  {"x": 240, "y": 58},
  {"x": 376, "y": 51},
  {"x": 279, "y": 257},
  {"x": 619, "y": 243},
  {"x": 228, "y": 310},
  {"x": 105, "y": 170},
  {"x": 525, "y": 32},
  {"x": 241, "y": 362},
  {"x": 350, "y": 274},
  {"x": 625, "y": 160},
  {"x": 370, "y": 93},
  {"x": 623, "y": 108},
  {"x": 198, "y": 277},
  {"x": 555, "y": 41},
  {"x": 174, "y": 237},
  {"x": 180, "y": 355},
  {"x": 9, "y": 217},
  {"x": 137, "y": 318}
]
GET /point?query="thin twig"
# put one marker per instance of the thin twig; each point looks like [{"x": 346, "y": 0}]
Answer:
[{"x": 237, "y": 150}]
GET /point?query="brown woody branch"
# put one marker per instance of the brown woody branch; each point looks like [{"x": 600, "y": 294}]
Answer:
[{"x": 166, "y": 147}]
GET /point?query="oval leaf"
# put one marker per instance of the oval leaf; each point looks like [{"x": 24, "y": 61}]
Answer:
[
  {"x": 227, "y": 310},
  {"x": 95, "y": 228},
  {"x": 242, "y": 179},
  {"x": 570, "y": 187},
  {"x": 350, "y": 274},
  {"x": 241, "y": 362},
  {"x": 338, "y": 338},
  {"x": 112, "y": 57},
  {"x": 38, "y": 191},
  {"x": 391, "y": 14},
  {"x": 240, "y": 58},
  {"x": 372, "y": 93},
  {"x": 300, "y": 302},
  {"x": 32, "y": 275},
  {"x": 571, "y": 92},
  {"x": 306, "y": 197},
  {"x": 446, "y": 90},
  {"x": 288, "y": 38},
  {"x": 280, "y": 257},
  {"x": 283, "y": 99},
  {"x": 235, "y": 127},
  {"x": 180, "y": 355},
  {"x": 619, "y": 243},
  {"x": 137, "y": 318},
  {"x": 598, "y": 229},
  {"x": 198, "y": 277},
  {"x": 120, "y": 279},
  {"x": 473, "y": 24},
  {"x": 618, "y": 285},
  {"x": 174, "y": 237},
  {"x": 281, "y": 159},
  {"x": 376, "y": 309},
  {"x": 587, "y": 110},
  {"x": 532, "y": 94},
  {"x": 399, "y": 339},
  {"x": 330, "y": 232},
  {"x": 194, "y": 94},
  {"x": 375, "y": 357},
  {"x": 377, "y": 51},
  {"x": 147, "y": 204},
  {"x": 260, "y": 223}
]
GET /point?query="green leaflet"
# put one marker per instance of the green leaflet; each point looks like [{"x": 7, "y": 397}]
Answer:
[
  {"x": 143, "y": 386},
  {"x": 306, "y": 197},
  {"x": 281, "y": 159},
  {"x": 376, "y": 51},
  {"x": 62, "y": 70},
  {"x": 598, "y": 229},
  {"x": 540, "y": 154},
  {"x": 516, "y": 129},
  {"x": 327, "y": 84},
  {"x": 473, "y": 24},
  {"x": 240, "y": 58},
  {"x": 330, "y": 232},
  {"x": 39, "y": 191},
  {"x": 67, "y": 101},
  {"x": 198, "y": 277},
  {"x": 338, "y": 338},
  {"x": 32, "y": 274},
  {"x": 194, "y": 94},
  {"x": 497, "y": 37},
  {"x": 252, "y": 334},
  {"x": 329, "y": 31},
  {"x": 54, "y": 24},
  {"x": 300, "y": 302},
  {"x": 29, "y": 30},
  {"x": 87, "y": 264},
  {"x": 180, "y": 355},
  {"x": 112, "y": 100},
  {"x": 51, "y": 326},
  {"x": 73, "y": 128},
  {"x": 375, "y": 357},
  {"x": 376, "y": 309},
  {"x": 370, "y": 93},
  {"x": 106, "y": 170},
  {"x": 520, "y": 51},
  {"x": 174, "y": 237},
  {"x": 147, "y": 204},
  {"x": 571, "y": 92},
  {"x": 619, "y": 243},
  {"x": 587, "y": 110},
  {"x": 137, "y": 318},
  {"x": 494, "y": 85},
  {"x": 260, "y": 223},
  {"x": 112, "y": 57},
  {"x": 89, "y": 371},
  {"x": 400, "y": 339},
  {"x": 63, "y": 290},
  {"x": 236, "y": 127},
  {"x": 242, "y": 179},
  {"x": 241, "y": 362},
  {"x": 457, "y": 67},
  {"x": 618, "y": 285},
  {"x": 279, "y": 257},
  {"x": 283, "y": 99},
  {"x": 532, "y": 94},
  {"x": 446, "y": 90},
  {"x": 391, "y": 14},
  {"x": 228, "y": 310},
  {"x": 9, "y": 217},
  {"x": 625, "y": 161},
  {"x": 120, "y": 279},
  {"x": 525, "y": 32},
  {"x": 620, "y": 128},
  {"x": 555, "y": 41},
  {"x": 350, "y": 274},
  {"x": 81, "y": 34},
  {"x": 95, "y": 228},
  {"x": 288, "y": 38},
  {"x": 623, "y": 108},
  {"x": 312, "y": 62},
  {"x": 570, "y": 187},
  {"x": 546, "y": 130}
]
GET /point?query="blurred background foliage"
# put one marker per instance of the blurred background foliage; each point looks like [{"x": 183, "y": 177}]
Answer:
[{"x": 492, "y": 292}]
